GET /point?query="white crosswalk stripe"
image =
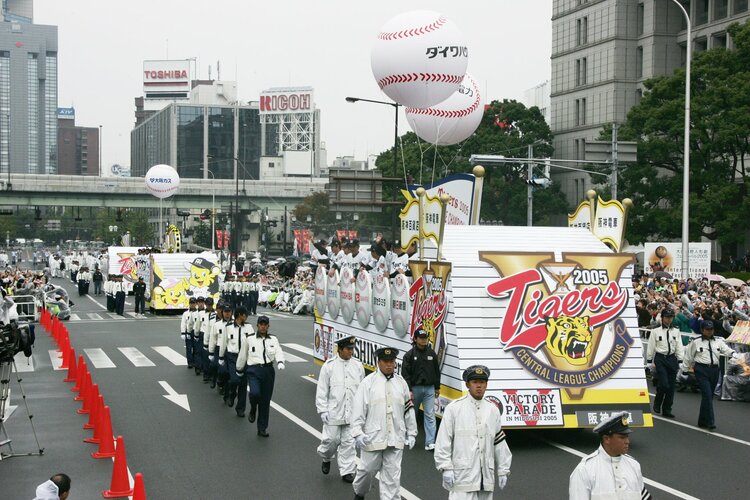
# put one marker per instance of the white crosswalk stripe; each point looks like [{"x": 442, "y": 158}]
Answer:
[
  {"x": 99, "y": 358},
  {"x": 55, "y": 359},
  {"x": 172, "y": 356},
  {"x": 75, "y": 317},
  {"x": 94, "y": 316},
  {"x": 135, "y": 356},
  {"x": 291, "y": 358},
  {"x": 115, "y": 316}
]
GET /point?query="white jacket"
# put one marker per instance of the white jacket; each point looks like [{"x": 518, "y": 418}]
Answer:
[
  {"x": 602, "y": 477},
  {"x": 259, "y": 350},
  {"x": 216, "y": 334},
  {"x": 186, "y": 324},
  {"x": 472, "y": 444},
  {"x": 383, "y": 412},
  {"x": 209, "y": 318},
  {"x": 231, "y": 340},
  {"x": 337, "y": 385}
]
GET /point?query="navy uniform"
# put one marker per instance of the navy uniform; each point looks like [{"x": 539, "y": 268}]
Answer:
[
  {"x": 665, "y": 353},
  {"x": 383, "y": 423},
  {"x": 609, "y": 475},
  {"x": 703, "y": 354},
  {"x": 234, "y": 339},
  {"x": 209, "y": 318},
  {"x": 338, "y": 382},
  {"x": 199, "y": 317},
  {"x": 186, "y": 331},
  {"x": 218, "y": 338},
  {"x": 258, "y": 355},
  {"x": 471, "y": 448},
  {"x": 120, "y": 289},
  {"x": 254, "y": 292}
]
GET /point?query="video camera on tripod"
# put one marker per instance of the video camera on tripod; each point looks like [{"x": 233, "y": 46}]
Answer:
[{"x": 15, "y": 337}]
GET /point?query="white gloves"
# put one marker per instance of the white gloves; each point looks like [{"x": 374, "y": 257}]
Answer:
[
  {"x": 502, "y": 481},
  {"x": 361, "y": 441},
  {"x": 651, "y": 366},
  {"x": 411, "y": 441},
  {"x": 324, "y": 417},
  {"x": 735, "y": 355},
  {"x": 221, "y": 362},
  {"x": 183, "y": 336},
  {"x": 281, "y": 365},
  {"x": 211, "y": 358},
  {"x": 684, "y": 367},
  {"x": 448, "y": 479}
]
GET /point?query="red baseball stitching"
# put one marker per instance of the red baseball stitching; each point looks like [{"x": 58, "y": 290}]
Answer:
[
  {"x": 407, "y": 33},
  {"x": 419, "y": 77},
  {"x": 442, "y": 113}
]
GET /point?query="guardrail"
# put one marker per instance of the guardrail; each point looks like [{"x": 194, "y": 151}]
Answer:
[{"x": 27, "y": 307}]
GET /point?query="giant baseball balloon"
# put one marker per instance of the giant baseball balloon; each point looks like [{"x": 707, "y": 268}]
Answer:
[
  {"x": 419, "y": 58},
  {"x": 162, "y": 181},
  {"x": 451, "y": 121}
]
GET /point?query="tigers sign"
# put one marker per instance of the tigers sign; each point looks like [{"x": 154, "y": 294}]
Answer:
[{"x": 556, "y": 313}]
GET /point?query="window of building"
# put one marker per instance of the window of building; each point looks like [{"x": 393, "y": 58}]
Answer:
[
  {"x": 582, "y": 31},
  {"x": 701, "y": 44},
  {"x": 581, "y": 68},
  {"x": 721, "y": 9},
  {"x": 580, "y": 112},
  {"x": 4, "y": 110},
  {"x": 32, "y": 75},
  {"x": 639, "y": 62},
  {"x": 585, "y": 30},
  {"x": 249, "y": 142},
  {"x": 719, "y": 40},
  {"x": 701, "y": 12},
  {"x": 639, "y": 19},
  {"x": 189, "y": 141},
  {"x": 221, "y": 143},
  {"x": 50, "y": 113},
  {"x": 739, "y": 6}
]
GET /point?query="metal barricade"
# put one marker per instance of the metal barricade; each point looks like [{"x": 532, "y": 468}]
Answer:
[{"x": 27, "y": 307}]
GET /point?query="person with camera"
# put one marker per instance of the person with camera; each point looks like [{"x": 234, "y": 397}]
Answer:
[{"x": 664, "y": 353}]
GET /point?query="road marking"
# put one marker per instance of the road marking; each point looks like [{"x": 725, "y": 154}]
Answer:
[
  {"x": 135, "y": 356},
  {"x": 55, "y": 359},
  {"x": 132, "y": 314},
  {"x": 94, "y": 316},
  {"x": 99, "y": 358},
  {"x": 300, "y": 348},
  {"x": 294, "y": 359},
  {"x": 75, "y": 317},
  {"x": 92, "y": 299},
  {"x": 24, "y": 364},
  {"x": 178, "y": 399},
  {"x": 172, "y": 356},
  {"x": 115, "y": 316},
  {"x": 310, "y": 379},
  {"x": 646, "y": 480}
]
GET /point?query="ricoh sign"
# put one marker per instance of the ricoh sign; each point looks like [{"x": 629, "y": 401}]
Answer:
[
  {"x": 166, "y": 79},
  {"x": 286, "y": 101}
]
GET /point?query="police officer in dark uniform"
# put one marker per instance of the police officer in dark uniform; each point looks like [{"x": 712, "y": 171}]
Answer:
[
  {"x": 237, "y": 387},
  {"x": 139, "y": 294},
  {"x": 665, "y": 352}
]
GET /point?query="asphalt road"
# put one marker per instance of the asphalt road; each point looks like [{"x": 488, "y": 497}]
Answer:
[{"x": 208, "y": 452}]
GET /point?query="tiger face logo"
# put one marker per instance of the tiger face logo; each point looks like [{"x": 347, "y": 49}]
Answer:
[{"x": 569, "y": 338}]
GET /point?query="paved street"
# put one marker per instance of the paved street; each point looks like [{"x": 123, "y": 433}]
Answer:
[{"x": 207, "y": 452}]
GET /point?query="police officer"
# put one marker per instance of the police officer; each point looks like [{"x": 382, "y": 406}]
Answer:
[
  {"x": 257, "y": 357},
  {"x": 703, "y": 355},
  {"x": 209, "y": 318},
  {"x": 229, "y": 352},
  {"x": 186, "y": 331},
  {"x": 109, "y": 293},
  {"x": 139, "y": 296},
  {"x": 199, "y": 316},
  {"x": 421, "y": 371},
  {"x": 664, "y": 353},
  {"x": 219, "y": 373},
  {"x": 338, "y": 381},
  {"x": 120, "y": 290},
  {"x": 254, "y": 293},
  {"x": 383, "y": 422},
  {"x": 609, "y": 472},
  {"x": 471, "y": 430}
]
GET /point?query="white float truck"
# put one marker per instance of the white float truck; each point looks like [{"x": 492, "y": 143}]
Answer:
[{"x": 549, "y": 310}]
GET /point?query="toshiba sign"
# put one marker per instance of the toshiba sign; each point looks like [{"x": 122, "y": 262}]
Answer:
[
  {"x": 166, "y": 79},
  {"x": 286, "y": 101}
]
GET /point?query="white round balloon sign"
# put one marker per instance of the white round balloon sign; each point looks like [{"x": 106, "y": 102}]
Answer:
[
  {"x": 419, "y": 58},
  {"x": 451, "y": 121},
  {"x": 162, "y": 181}
]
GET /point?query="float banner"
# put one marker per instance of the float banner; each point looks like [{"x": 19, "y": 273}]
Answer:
[
  {"x": 581, "y": 217},
  {"x": 668, "y": 257},
  {"x": 609, "y": 223},
  {"x": 529, "y": 407},
  {"x": 460, "y": 187}
]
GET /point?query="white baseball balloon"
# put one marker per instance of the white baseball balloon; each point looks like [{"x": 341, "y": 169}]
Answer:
[
  {"x": 451, "y": 121},
  {"x": 419, "y": 58},
  {"x": 162, "y": 181}
]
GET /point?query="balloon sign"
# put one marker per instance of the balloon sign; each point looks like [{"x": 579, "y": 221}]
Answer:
[
  {"x": 451, "y": 121},
  {"x": 419, "y": 58},
  {"x": 162, "y": 181}
]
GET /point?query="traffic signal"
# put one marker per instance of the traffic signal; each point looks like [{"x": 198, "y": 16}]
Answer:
[
  {"x": 206, "y": 214},
  {"x": 183, "y": 213},
  {"x": 539, "y": 182}
]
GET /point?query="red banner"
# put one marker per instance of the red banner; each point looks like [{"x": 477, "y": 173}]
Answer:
[
  {"x": 352, "y": 234},
  {"x": 222, "y": 239},
  {"x": 341, "y": 234}
]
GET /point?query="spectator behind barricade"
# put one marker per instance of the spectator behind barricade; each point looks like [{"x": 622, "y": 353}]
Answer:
[{"x": 56, "y": 487}]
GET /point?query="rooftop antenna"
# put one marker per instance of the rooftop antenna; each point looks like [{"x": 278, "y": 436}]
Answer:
[
  {"x": 218, "y": 70},
  {"x": 209, "y": 72}
]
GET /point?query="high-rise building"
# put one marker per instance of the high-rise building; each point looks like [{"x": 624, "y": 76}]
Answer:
[
  {"x": 78, "y": 147},
  {"x": 28, "y": 92},
  {"x": 603, "y": 51}
]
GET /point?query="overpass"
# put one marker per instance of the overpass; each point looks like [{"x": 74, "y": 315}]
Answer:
[{"x": 130, "y": 192}]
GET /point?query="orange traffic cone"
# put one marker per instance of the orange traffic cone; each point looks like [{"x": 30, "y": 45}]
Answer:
[
  {"x": 139, "y": 491},
  {"x": 106, "y": 444},
  {"x": 82, "y": 371},
  {"x": 66, "y": 358},
  {"x": 89, "y": 400},
  {"x": 120, "y": 485},
  {"x": 94, "y": 417},
  {"x": 54, "y": 329},
  {"x": 85, "y": 389},
  {"x": 72, "y": 369}
]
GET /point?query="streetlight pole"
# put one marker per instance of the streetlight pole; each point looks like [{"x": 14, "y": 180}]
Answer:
[
  {"x": 395, "y": 134},
  {"x": 213, "y": 209},
  {"x": 686, "y": 152},
  {"x": 101, "y": 141}
]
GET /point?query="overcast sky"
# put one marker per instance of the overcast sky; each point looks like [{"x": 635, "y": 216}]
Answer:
[{"x": 324, "y": 44}]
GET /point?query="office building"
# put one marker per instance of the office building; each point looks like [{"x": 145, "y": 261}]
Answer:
[
  {"x": 28, "y": 92},
  {"x": 603, "y": 51},
  {"x": 78, "y": 147}
]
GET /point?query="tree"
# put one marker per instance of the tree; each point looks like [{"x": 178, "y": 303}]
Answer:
[
  {"x": 202, "y": 235},
  {"x": 507, "y": 128},
  {"x": 719, "y": 145}
]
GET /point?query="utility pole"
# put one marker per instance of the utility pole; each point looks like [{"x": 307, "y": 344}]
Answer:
[
  {"x": 530, "y": 189},
  {"x": 285, "y": 217},
  {"x": 615, "y": 126}
]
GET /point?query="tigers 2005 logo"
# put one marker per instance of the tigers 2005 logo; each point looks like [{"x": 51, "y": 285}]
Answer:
[{"x": 557, "y": 311}]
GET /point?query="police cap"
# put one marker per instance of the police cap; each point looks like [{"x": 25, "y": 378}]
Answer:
[
  {"x": 707, "y": 325},
  {"x": 617, "y": 423},
  {"x": 209, "y": 301},
  {"x": 386, "y": 353},
  {"x": 201, "y": 299},
  {"x": 192, "y": 300},
  {"x": 667, "y": 312},
  {"x": 476, "y": 372},
  {"x": 421, "y": 332},
  {"x": 347, "y": 342},
  {"x": 263, "y": 319}
]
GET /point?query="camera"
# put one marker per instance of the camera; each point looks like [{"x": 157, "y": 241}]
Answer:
[{"x": 15, "y": 338}]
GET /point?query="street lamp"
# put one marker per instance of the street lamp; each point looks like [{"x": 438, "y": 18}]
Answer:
[
  {"x": 395, "y": 132},
  {"x": 686, "y": 152},
  {"x": 213, "y": 209}
]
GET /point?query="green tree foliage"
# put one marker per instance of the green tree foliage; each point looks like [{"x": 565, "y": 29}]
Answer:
[
  {"x": 719, "y": 146},
  {"x": 507, "y": 128},
  {"x": 202, "y": 235}
]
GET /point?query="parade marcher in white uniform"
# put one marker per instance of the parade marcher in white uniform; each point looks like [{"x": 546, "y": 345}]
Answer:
[
  {"x": 664, "y": 354},
  {"x": 609, "y": 473},
  {"x": 339, "y": 379},
  {"x": 186, "y": 330},
  {"x": 471, "y": 449},
  {"x": 383, "y": 422}
]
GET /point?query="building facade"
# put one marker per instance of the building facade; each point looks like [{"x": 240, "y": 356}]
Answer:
[
  {"x": 28, "y": 93},
  {"x": 78, "y": 147},
  {"x": 603, "y": 51}
]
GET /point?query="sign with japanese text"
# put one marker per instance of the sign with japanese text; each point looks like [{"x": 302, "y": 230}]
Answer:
[{"x": 668, "y": 257}]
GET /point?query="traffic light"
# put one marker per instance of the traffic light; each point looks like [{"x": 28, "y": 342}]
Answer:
[
  {"x": 183, "y": 213},
  {"x": 539, "y": 182},
  {"x": 206, "y": 214}
]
